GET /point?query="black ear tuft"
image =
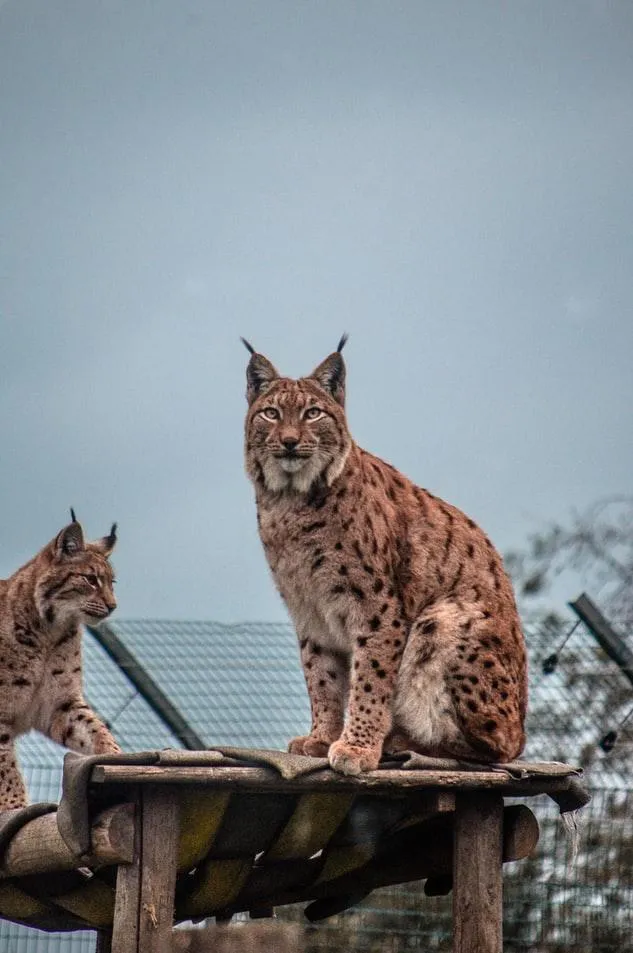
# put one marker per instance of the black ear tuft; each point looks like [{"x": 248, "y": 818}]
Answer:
[
  {"x": 342, "y": 342},
  {"x": 72, "y": 515},
  {"x": 70, "y": 541},
  {"x": 260, "y": 374},
  {"x": 330, "y": 374},
  {"x": 249, "y": 347},
  {"x": 106, "y": 544}
]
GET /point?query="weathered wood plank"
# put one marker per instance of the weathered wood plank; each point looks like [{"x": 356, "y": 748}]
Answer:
[
  {"x": 112, "y": 836},
  {"x": 477, "y": 874},
  {"x": 266, "y": 779},
  {"x": 39, "y": 848},
  {"x": 422, "y": 853},
  {"x": 125, "y": 928},
  {"x": 160, "y": 823}
]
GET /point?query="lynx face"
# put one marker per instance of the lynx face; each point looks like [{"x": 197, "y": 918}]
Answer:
[
  {"x": 79, "y": 580},
  {"x": 296, "y": 433}
]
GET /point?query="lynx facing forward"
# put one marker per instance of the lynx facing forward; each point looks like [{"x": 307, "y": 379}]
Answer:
[
  {"x": 407, "y": 623},
  {"x": 42, "y": 607}
]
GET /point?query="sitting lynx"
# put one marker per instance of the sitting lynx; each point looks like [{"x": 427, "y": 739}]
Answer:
[
  {"x": 42, "y": 607},
  {"x": 407, "y": 623}
]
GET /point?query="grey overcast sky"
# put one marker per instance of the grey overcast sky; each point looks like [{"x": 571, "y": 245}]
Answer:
[{"x": 449, "y": 182}]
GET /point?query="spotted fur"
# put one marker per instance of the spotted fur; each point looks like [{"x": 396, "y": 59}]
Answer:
[
  {"x": 42, "y": 607},
  {"x": 407, "y": 624}
]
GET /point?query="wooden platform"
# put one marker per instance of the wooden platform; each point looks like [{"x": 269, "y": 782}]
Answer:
[{"x": 141, "y": 841}]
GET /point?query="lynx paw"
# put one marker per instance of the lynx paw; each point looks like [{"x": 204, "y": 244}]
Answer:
[
  {"x": 352, "y": 759},
  {"x": 105, "y": 745},
  {"x": 310, "y": 746}
]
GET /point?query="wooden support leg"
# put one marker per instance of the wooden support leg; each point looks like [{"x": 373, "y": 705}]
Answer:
[
  {"x": 144, "y": 906},
  {"x": 104, "y": 941},
  {"x": 477, "y": 874}
]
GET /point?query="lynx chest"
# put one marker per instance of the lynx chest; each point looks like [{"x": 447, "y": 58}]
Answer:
[{"x": 304, "y": 558}]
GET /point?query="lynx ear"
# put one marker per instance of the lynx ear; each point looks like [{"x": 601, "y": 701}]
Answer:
[
  {"x": 330, "y": 373},
  {"x": 106, "y": 544},
  {"x": 260, "y": 373},
  {"x": 70, "y": 541}
]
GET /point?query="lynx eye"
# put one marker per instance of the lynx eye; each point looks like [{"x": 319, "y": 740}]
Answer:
[
  {"x": 91, "y": 578},
  {"x": 313, "y": 413},
  {"x": 270, "y": 413}
]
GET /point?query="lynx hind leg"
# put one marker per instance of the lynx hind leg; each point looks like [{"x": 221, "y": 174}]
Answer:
[
  {"x": 12, "y": 789},
  {"x": 458, "y": 691},
  {"x": 424, "y": 717},
  {"x": 487, "y": 682}
]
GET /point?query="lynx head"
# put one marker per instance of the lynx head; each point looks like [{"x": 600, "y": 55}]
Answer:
[
  {"x": 76, "y": 578},
  {"x": 296, "y": 431}
]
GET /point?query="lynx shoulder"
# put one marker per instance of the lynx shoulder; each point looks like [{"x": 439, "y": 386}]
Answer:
[{"x": 407, "y": 624}]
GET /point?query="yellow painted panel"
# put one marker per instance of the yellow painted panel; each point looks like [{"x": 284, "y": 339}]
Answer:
[
  {"x": 311, "y": 825},
  {"x": 201, "y": 814},
  {"x": 221, "y": 883},
  {"x": 93, "y": 902},
  {"x": 342, "y": 860},
  {"x": 17, "y": 905}
]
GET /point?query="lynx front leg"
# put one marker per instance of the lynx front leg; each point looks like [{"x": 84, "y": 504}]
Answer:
[
  {"x": 75, "y": 725},
  {"x": 326, "y": 679},
  {"x": 375, "y": 663},
  {"x": 12, "y": 789}
]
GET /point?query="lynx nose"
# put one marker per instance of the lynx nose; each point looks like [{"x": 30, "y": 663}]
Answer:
[{"x": 290, "y": 443}]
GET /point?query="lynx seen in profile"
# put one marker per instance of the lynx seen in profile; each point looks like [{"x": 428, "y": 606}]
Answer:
[
  {"x": 42, "y": 608},
  {"x": 407, "y": 624}
]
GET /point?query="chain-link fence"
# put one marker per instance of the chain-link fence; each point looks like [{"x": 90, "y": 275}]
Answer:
[{"x": 553, "y": 902}]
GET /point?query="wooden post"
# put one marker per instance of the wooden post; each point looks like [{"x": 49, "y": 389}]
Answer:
[
  {"x": 144, "y": 906},
  {"x": 477, "y": 874},
  {"x": 128, "y": 888},
  {"x": 104, "y": 941}
]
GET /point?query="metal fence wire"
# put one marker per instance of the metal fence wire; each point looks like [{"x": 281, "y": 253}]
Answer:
[{"x": 553, "y": 902}]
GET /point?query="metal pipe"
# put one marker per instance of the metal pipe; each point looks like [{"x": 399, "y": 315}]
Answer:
[
  {"x": 604, "y": 634},
  {"x": 147, "y": 687}
]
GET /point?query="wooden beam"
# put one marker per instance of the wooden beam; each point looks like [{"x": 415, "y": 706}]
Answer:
[
  {"x": 520, "y": 832},
  {"x": 112, "y": 836},
  {"x": 38, "y": 847},
  {"x": 383, "y": 782},
  {"x": 477, "y": 874}
]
